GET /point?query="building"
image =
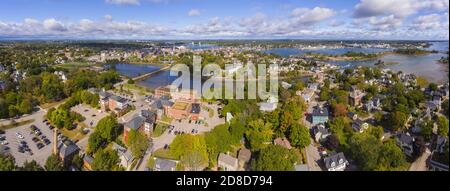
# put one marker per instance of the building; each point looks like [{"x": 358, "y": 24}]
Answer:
[
  {"x": 162, "y": 91},
  {"x": 125, "y": 156},
  {"x": 359, "y": 126},
  {"x": 227, "y": 162},
  {"x": 335, "y": 162},
  {"x": 66, "y": 151},
  {"x": 320, "y": 132},
  {"x": 356, "y": 97},
  {"x": 244, "y": 156},
  {"x": 306, "y": 94},
  {"x": 406, "y": 142},
  {"x": 114, "y": 103},
  {"x": 319, "y": 115},
  {"x": 282, "y": 142},
  {"x": 87, "y": 162},
  {"x": 165, "y": 164}
]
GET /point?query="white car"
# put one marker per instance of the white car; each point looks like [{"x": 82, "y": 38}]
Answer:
[
  {"x": 3, "y": 142},
  {"x": 20, "y": 136}
]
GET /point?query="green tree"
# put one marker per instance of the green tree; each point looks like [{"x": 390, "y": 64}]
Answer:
[
  {"x": 95, "y": 142},
  {"x": 190, "y": 150},
  {"x": 299, "y": 136},
  {"x": 442, "y": 126},
  {"x": 106, "y": 160},
  {"x": 427, "y": 129},
  {"x": 54, "y": 163},
  {"x": 398, "y": 120},
  {"x": 31, "y": 166},
  {"x": 138, "y": 143},
  {"x": 108, "y": 128},
  {"x": 391, "y": 157},
  {"x": 275, "y": 158},
  {"x": 7, "y": 163},
  {"x": 258, "y": 134},
  {"x": 217, "y": 141}
]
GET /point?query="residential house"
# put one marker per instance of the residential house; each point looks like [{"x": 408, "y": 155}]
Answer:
[
  {"x": 307, "y": 94},
  {"x": 286, "y": 85},
  {"x": 336, "y": 162},
  {"x": 282, "y": 142},
  {"x": 125, "y": 156},
  {"x": 165, "y": 164},
  {"x": 227, "y": 162},
  {"x": 437, "y": 161},
  {"x": 320, "y": 132},
  {"x": 140, "y": 124},
  {"x": 352, "y": 115},
  {"x": 87, "y": 162},
  {"x": 406, "y": 142},
  {"x": 359, "y": 126},
  {"x": 244, "y": 156},
  {"x": 319, "y": 115},
  {"x": 355, "y": 97},
  {"x": 67, "y": 150}
]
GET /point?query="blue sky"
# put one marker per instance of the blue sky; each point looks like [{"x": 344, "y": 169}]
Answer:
[{"x": 203, "y": 19}]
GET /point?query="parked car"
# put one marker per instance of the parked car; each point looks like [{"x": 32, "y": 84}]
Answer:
[
  {"x": 40, "y": 145},
  {"x": 33, "y": 127},
  {"x": 2, "y": 138},
  {"x": 20, "y": 150},
  {"x": 4, "y": 142},
  {"x": 2, "y": 132},
  {"x": 35, "y": 139},
  {"x": 20, "y": 136},
  {"x": 51, "y": 127},
  {"x": 46, "y": 141}
]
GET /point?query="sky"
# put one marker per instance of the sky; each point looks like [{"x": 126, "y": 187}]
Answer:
[{"x": 225, "y": 19}]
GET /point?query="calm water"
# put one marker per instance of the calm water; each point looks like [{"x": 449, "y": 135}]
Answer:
[
  {"x": 337, "y": 51},
  {"x": 134, "y": 70}
]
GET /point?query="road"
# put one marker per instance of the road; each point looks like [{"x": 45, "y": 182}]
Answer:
[
  {"x": 312, "y": 151},
  {"x": 421, "y": 163}
]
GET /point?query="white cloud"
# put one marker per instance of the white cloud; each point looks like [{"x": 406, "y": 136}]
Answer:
[
  {"x": 398, "y": 8},
  {"x": 54, "y": 25},
  {"x": 194, "y": 12},
  {"x": 305, "y": 16},
  {"x": 431, "y": 22},
  {"x": 108, "y": 17},
  {"x": 124, "y": 2}
]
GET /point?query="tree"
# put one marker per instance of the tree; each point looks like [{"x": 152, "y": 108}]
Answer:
[
  {"x": 217, "y": 141},
  {"x": 332, "y": 142},
  {"x": 31, "y": 166},
  {"x": 108, "y": 128},
  {"x": 275, "y": 158},
  {"x": 398, "y": 120},
  {"x": 365, "y": 150},
  {"x": 339, "y": 110},
  {"x": 377, "y": 132},
  {"x": 26, "y": 106},
  {"x": 95, "y": 142},
  {"x": 427, "y": 129},
  {"x": 7, "y": 163},
  {"x": 442, "y": 126},
  {"x": 391, "y": 157},
  {"x": 258, "y": 134},
  {"x": 445, "y": 106},
  {"x": 286, "y": 121},
  {"x": 299, "y": 136},
  {"x": 54, "y": 163},
  {"x": 138, "y": 143},
  {"x": 106, "y": 160},
  {"x": 77, "y": 162},
  {"x": 190, "y": 150}
]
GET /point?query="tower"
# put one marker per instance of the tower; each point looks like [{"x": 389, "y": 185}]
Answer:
[{"x": 55, "y": 141}]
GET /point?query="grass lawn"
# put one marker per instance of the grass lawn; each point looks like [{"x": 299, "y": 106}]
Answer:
[
  {"x": 75, "y": 134},
  {"x": 142, "y": 90},
  {"x": 163, "y": 153},
  {"x": 16, "y": 124},
  {"x": 210, "y": 111},
  {"x": 159, "y": 129},
  {"x": 166, "y": 119},
  {"x": 180, "y": 105},
  {"x": 51, "y": 105},
  {"x": 74, "y": 65}
]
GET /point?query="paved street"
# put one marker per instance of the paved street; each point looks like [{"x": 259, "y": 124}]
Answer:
[
  {"x": 421, "y": 163},
  {"x": 312, "y": 152}
]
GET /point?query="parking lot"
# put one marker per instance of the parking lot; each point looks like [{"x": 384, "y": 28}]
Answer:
[
  {"x": 92, "y": 115},
  {"x": 39, "y": 155}
]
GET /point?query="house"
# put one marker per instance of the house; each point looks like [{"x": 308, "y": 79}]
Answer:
[
  {"x": 320, "y": 133},
  {"x": 87, "y": 162},
  {"x": 227, "y": 162},
  {"x": 335, "y": 162},
  {"x": 244, "y": 156},
  {"x": 286, "y": 85},
  {"x": 282, "y": 142},
  {"x": 307, "y": 95},
  {"x": 125, "y": 156},
  {"x": 406, "y": 142},
  {"x": 140, "y": 124},
  {"x": 165, "y": 164},
  {"x": 440, "y": 144},
  {"x": 66, "y": 151},
  {"x": 359, "y": 126},
  {"x": 313, "y": 86},
  {"x": 355, "y": 97},
  {"x": 162, "y": 91},
  {"x": 319, "y": 115},
  {"x": 352, "y": 115},
  {"x": 270, "y": 105},
  {"x": 118, "y": 104},
  {"x": 437, "y": 161}
]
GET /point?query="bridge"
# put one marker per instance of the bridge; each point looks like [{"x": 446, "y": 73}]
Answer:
[{"x": 145, "y": 75}]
